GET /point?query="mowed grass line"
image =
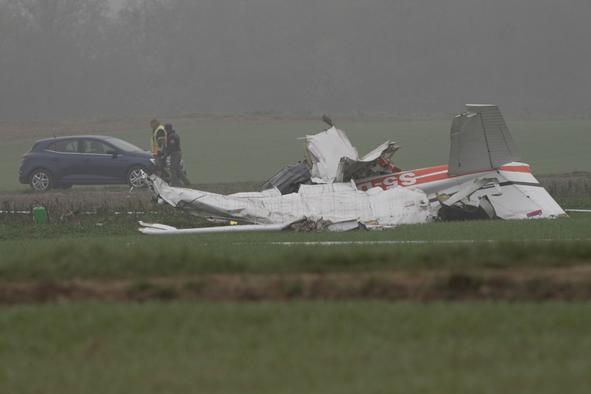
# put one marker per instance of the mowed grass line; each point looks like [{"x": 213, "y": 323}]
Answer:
[
  {"x": 326, "y": 347},
  {"x": 576, "y": 226},
  {"x": 497, "y": 244},
  {"x": 70, "y": 260}
]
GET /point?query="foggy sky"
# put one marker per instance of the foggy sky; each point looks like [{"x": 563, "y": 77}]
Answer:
[{"x": 75, "y": 58}]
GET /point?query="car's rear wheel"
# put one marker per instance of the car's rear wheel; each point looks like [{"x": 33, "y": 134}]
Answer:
[
  {"x": 41, "y": 180},
  {"x": 136, "y": 176}
]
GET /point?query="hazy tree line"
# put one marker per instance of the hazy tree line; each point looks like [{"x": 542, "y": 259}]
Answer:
[{"x": 77, "y": 58}]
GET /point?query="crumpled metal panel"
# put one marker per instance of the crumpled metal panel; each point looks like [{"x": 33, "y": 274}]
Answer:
[
  {"x": 325, "y": 151},
  {"x": 333, "y": 158},
  {"x": 289, "y": 179},
  {"x": 337, "y": 202},
  {"x": 368, "y": 165}
]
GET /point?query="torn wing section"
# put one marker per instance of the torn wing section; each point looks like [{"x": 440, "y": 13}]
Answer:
[
  {"x": 160, "y": 229},
  {"x": 334, "y": 203}
]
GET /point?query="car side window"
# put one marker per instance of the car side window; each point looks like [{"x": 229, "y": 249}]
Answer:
[
  {"x": 64, "y": 146},
  {"x": 95, "y": 147}
]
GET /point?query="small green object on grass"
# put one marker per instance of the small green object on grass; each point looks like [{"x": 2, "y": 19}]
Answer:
[{"x": 39, "y": 215}]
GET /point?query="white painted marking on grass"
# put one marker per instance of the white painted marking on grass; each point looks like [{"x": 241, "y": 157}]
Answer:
[
  {"x": 388, "y": 242},
  {"x": 578, "y": 210},
  {"x": 414, "y": 241}
]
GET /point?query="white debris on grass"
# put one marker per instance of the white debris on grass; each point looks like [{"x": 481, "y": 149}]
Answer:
[{"x": 337, "y": 203}]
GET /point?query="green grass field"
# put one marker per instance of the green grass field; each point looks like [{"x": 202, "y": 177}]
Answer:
[
  {"x": 229, "y": 150},
  {"x": 63, "y": 251},
  {"x": 291, "y": 347},
  {"x": 176, "y": 346},
  {"x": 323, "y": 347}
]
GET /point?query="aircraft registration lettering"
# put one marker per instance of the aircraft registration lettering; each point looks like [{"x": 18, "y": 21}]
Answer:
[
  {"x": 407, "y": 179},
  {"x": 389, "y": 181}
]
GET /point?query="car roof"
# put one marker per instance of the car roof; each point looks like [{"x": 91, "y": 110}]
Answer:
[{"x": 61, "y": 138}]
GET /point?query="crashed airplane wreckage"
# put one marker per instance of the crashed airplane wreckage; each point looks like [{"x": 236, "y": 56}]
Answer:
[{"x": 336, "y": 190}]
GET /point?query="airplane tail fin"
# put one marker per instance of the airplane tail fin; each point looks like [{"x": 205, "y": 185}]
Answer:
[{"x": 480, "y": 140}]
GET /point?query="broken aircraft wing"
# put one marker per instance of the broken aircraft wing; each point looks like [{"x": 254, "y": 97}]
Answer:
[
  {"x": 333, "y": 203},
  {"x": 159, "y": 229}
]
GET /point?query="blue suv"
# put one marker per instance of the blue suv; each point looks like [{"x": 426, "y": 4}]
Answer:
[{"x": 84, "y": 160}]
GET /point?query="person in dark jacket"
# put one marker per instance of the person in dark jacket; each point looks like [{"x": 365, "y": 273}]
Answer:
[{"x": 174, "y": 153}]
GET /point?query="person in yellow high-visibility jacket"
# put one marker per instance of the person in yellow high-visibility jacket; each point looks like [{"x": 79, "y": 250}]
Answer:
[
  {"x": 158, "y": 144},
  {"x": 158, "y": 141}
]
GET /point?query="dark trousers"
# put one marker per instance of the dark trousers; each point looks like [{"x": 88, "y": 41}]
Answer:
[
  {"x": 177, "y": 172},
  {"x": 161, "y": 169}
]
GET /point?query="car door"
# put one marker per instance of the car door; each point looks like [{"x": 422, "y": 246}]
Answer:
[
  {"x": 105, "y": 164},
  {"x": 63, "y": 160}
]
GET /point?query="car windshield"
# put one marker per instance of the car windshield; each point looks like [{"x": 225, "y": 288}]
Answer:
[{"x": 124, "y": 145}]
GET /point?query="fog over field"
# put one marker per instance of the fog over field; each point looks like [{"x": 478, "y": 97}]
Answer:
[{"x": 65, "y": 59}]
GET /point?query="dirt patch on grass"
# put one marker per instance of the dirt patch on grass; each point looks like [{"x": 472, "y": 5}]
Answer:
[{"x": 562, "y": 284}]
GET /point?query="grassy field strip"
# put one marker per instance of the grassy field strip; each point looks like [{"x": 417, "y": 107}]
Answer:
[
  {"x": 267, "y": 145},
  {"x": 414, "y": 241},
  {"x": 137, "y": 257},
  {"x": 302, "y": 347},
  {"x": 114, "y": 248}
]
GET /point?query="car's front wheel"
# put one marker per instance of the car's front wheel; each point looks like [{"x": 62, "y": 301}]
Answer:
[
  {"x": 136, "y": 177},
  {"x": 41, "y": 180}
]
